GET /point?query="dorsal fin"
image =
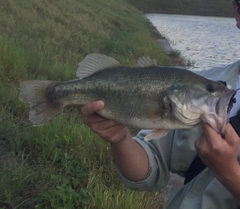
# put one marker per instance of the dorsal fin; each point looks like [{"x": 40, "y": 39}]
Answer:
[
  {"x": 146, "y": 62},
  {"x": 93, "y": 63}
]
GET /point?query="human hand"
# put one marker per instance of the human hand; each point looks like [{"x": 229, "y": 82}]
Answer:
[
  {"x": 219, "y": 154},
  {"x": 109, "y": 130}
]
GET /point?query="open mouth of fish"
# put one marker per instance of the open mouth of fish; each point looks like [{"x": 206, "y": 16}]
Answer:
[{"x": 219, "y": 109}]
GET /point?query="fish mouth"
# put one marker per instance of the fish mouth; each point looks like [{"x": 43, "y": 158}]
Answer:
[{"x": 219, "y": 109}]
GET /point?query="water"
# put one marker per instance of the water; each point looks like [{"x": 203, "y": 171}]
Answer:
[{"x": 207, "y": 41}]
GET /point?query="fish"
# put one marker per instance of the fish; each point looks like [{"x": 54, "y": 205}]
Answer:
[{"x": 146, "y": 96}]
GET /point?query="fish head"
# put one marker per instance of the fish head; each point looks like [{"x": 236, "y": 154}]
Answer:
[
  {"x": 219, "y": 107},
  {"x": 202, "y": 100}
]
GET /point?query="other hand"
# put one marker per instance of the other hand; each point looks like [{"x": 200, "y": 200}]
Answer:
[{"x": 217, "y": 152}]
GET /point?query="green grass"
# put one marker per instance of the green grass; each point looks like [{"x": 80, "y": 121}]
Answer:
[
  {"x": 63, "y": 164},
  {"x": 69, "y": 30}
]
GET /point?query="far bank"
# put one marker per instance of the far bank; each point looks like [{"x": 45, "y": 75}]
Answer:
[{"x": 220, "y": 8}]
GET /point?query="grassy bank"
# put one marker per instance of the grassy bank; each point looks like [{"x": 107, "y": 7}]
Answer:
[
  {"x": 63, "y": 164},
  {"x": 199, "y": 7}
]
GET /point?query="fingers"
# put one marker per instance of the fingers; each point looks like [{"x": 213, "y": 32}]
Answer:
[
  {"x": 113, "y": 134},
  {"x": 211, "y": 140},
  {"x": 230, "y": 136},
  {"x": 94, "y": 118},
  {"x": 229, "y": 133},
  {"x": 109, "y": 130},
  {"x": 96, "y": 123},
  {"x": 91, "y": 108},
  {"x": 209, "y": 132},
  {"x": 214, "y": 140}
]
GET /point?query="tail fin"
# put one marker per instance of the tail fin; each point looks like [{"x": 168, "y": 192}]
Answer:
[{"x": 41, "y": 109}]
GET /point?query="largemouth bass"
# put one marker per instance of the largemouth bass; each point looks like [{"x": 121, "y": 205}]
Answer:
[{"x": 146, "y": 96}]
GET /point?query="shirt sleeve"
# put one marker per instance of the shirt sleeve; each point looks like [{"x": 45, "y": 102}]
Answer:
[{"x": 159, "y": 154}]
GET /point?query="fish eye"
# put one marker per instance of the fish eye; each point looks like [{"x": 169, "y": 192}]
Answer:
[{"x": 210, "y": 88}]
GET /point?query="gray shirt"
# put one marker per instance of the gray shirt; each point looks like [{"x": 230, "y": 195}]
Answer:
[{"x": 175, "y": 152}]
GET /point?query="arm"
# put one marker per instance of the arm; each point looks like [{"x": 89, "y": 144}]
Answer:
[
  {"x": 128, "y": 155},
  {"x": 220, "y": 155}
]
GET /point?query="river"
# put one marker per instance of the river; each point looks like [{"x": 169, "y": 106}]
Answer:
[{"x": 206, "y": 41}]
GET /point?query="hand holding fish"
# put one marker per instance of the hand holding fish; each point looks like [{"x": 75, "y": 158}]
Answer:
[
  {"x": 220, "y": 156},
  {"x": 109, "y": 130},
  {"x": 127, "y": 154}
]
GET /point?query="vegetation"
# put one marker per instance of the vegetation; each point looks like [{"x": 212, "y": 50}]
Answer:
[
  {"x": 199, "y": 7},
  {"x": 63, "y": 164}
]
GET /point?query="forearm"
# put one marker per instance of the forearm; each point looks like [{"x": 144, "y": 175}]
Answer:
[
  {"x": 130, "y": 158},
  {"x": 231, "y": 182}
]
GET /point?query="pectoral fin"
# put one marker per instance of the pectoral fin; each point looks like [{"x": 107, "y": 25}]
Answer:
[{"x": 157, "y": 134}]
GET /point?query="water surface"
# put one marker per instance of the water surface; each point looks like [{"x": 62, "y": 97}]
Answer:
[{"x": 207, "y": 41}]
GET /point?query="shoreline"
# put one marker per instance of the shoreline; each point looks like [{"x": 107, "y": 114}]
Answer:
[
  {"x": 175, "y": 57},
  {"x": 227, "y": 15}
]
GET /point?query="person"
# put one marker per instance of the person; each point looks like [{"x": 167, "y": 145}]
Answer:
[{"x": 146, "y": 166}]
